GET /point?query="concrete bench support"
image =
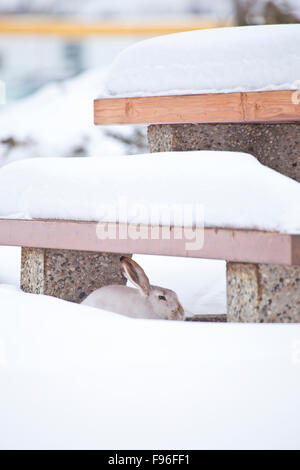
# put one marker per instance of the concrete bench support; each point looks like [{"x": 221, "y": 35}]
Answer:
[
  {"x": 275, "y": 145},
  {"x": 264, "y": 293},
  {"x": 68, "y": 274}
]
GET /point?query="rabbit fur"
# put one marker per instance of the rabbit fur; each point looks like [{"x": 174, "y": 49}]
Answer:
[{"x": 146, "y": 301}]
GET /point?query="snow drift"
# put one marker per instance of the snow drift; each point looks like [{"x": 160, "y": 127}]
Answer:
[{"x": 77, "y": 377}]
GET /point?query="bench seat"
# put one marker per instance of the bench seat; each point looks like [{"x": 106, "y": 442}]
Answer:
[{"x": 244, "y": 246}]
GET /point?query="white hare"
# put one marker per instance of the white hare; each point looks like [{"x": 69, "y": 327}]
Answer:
[{"x": 146, "y": 301}]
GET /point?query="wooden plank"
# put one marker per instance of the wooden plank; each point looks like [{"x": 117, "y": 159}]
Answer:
[
  {"x": 264, "y": 106},
  {"x": 271, "y": 106},
  {"x": 249, "y": 246},
  {"x": 169, "y": 109}
]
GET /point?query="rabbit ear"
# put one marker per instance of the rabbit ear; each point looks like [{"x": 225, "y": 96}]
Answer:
[{"x": 134, "y": 273}]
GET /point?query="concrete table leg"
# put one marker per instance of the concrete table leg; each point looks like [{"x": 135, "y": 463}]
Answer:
[
  {"x": 275, "y": 145},
  {"x": 67, "y": 274},
  {"x": 263, "y": 293}
]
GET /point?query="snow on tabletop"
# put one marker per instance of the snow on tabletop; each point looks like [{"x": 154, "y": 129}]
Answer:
[
  {"x": 223, "y": 60},
  {"x": 234, "y": 188},
  {"x": 77, "y": 377}
]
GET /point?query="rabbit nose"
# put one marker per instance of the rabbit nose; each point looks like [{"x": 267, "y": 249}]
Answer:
[
  {"x": 180, "y": 312},
  {"x": 180, "y": 309}
]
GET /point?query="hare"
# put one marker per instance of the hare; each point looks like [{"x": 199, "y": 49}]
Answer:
[{"x": 146, "y": 301}]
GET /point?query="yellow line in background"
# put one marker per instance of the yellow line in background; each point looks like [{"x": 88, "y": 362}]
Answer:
[{"x": 45, "y": 26}]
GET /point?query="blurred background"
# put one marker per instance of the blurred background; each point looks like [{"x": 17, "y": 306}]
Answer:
[
  {"x": 46, "y": 40},
  {"x": 53, "y": 56}
]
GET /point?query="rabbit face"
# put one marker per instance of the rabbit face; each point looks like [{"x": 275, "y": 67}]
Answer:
[
  {"x": 162, "y": 302},
  {"x": 165, "y": 303}
]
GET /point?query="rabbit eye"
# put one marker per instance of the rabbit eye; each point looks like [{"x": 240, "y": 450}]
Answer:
[{"x": 162, "y": 297}]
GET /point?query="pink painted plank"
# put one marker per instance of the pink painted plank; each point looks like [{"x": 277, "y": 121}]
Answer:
[{"x": 251, "y": 246}]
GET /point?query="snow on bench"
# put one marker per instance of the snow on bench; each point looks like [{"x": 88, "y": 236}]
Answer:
[
  {"x": 249, "y": 212},
  {"x": 234, "y": 190},
  {"x": 245, "y": 74}
]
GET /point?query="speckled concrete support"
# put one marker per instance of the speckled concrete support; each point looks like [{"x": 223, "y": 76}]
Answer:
[
  {"x": 68, "y": 274},
  {"x": 263, "y": 293},
  {"x": 275, "y": 145}
]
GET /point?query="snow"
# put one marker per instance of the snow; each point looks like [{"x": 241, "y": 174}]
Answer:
[
  {"x": 199, "y": 283},
  {"x": 219, "y": 60},
  {"x": 77, "y": 377},
  {"x": 233, "y": 188},
  {"x": 10, "y": 265},
  {"x": 57, "y": 121}
]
